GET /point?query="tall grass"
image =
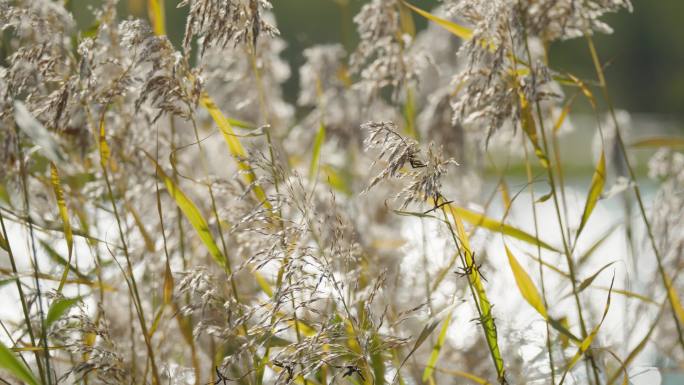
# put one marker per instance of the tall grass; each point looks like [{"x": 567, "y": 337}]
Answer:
[{"x": 167, "y": 216}]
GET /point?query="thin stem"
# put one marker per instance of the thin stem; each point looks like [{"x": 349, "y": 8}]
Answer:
[
  {"x": 22, "y": 296},
  {"x": 528, "y": 169},
  {"x": 133, "y": 287},
  {"x": 554, "y": 194},
  {"x": 635, "y": 186},
  {"x": 216, "y": 216},
  {"x": 473, "y": 277},
  {"x": 36, "y": 267},
  {"x": 561, "y": 177}
]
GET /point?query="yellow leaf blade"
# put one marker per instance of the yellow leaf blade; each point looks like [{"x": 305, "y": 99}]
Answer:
[
  {"x": 168, "y": 285},
  {"x": 410, "y": 114},
  {"x": 335, "y": 179},
  {"x": 64, "y": 216},
  {"x": 674, "y": 299},
  {"x": 475, "y": 279},
  {"x": 530, "y": 128},
  {"x": 586, "y": 343},
  {"x": 574, "y": 80},
  {"x": 105, "y": 152},
  {"x": 434, "y": 355},
  {"x": 597, "y": 183},
  {"x": 505, "y": 195},
  {"x": 466, "y": 375},
  {"x": 226, "y": 128},
  {"x": 477, "y": 219},
  {"x": 157, "y": 14},
  {"x": 526, "y": 285},
  {"x": 563, "y": 115},
  {"x": 659, "y": 141},
  {"x": 464, "y": 33},
  {"x": 263, "y": 283},
  {"x": 191, "y": 212},
  {"x": 234, "y": 146},
  {"x": 316, "y": 153},
  {"x": 406, "y": 20}
]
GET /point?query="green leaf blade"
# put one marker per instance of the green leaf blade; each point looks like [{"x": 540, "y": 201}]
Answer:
[
  {"x": 58, "y": 308},
  {"x": 14, "y": 366}
]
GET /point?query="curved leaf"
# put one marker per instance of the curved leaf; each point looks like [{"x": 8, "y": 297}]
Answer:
[
  {"x": 591, "y": 279},
  {"x": 530, "y": 128},
  {"x": 35, "y": 130},
  {"x": 424, "y": 334},
  {"x": 377, "y": 360},
  {"x": 464, "y": 33},
  {"x": 11, "y": 364},
  {"x": 316, "y": 152},
  {"x": 597, "y": 183},
  {"x": 480, "y": 295},
  {"x": 659, "y": 141},
  {"x": 168, "y": 285},
  {"x": 564, "y": 114},
  {"x": 590, "y": 251},
  {"x": 586, "y": 343},
  {"x": 477, "y": 219},
  {"x": 55, "y": 257},
  {"x": 58, "y": 308},
  {"x": 64, "y": 215},
  {"x": 466, "y": 375},
  {"x": 193, "y": 215},
  {"x": 434, "y": 355},
  {"x": 526, "y": 285},
  {"x": 234, "y": 146}
]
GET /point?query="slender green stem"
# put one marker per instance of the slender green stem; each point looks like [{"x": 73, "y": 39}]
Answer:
[
  {"x": 276, "y": 183},
  {"x": 36, "y": 267},
  {"x": 528, "y": 169},
  {"x": 228, "y": 266},
  {"x": 566, "y": 247},
  {"x": 131, "y": 329},
  {"x": 635, "y": 186},
  {"x": 133, "y": 287},
  {"x": 22, "y": 296},
  {"x": 554, "y": 193},
  {"x": 472, "y": 271},
  {"x": 561, "y": 178},
  {"x": 205, "y": 165}
]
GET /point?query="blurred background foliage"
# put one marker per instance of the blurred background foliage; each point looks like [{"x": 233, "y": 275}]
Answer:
[{"x": 646, "y": 51}]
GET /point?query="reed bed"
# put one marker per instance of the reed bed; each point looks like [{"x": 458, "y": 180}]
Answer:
[{"x": 168, "y": 217}]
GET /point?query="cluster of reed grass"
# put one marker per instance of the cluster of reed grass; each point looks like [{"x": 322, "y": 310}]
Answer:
[{"x": 168, "y": 217}]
